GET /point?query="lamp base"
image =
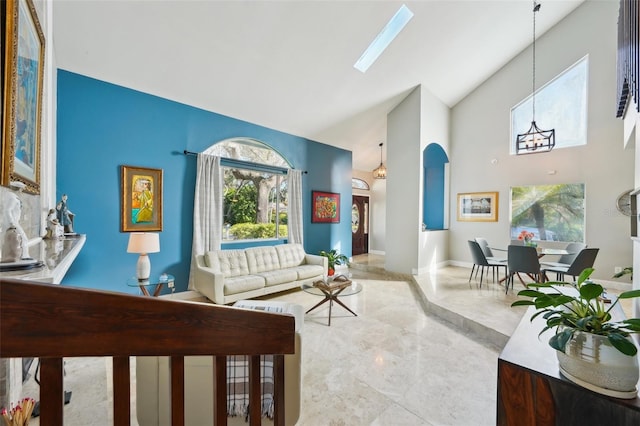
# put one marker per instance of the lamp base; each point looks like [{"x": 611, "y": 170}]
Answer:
[{"x": 143, "y": 268}]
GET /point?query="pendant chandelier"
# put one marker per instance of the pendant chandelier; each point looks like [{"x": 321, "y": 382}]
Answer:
[
  {"x": 535, "y": 140},
  {"x": 380, "y": 172}
]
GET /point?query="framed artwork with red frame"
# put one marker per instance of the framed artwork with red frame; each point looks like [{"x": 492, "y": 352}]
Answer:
[{"x": 325, "y": 207}]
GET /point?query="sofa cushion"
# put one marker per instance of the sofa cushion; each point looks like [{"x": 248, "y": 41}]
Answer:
[
  {"x": 262, "y": 259},
  {"x": 290, "y": 255},
  {"x": 230, "y": 263},
  {"x": 235, "y": 285},
  {"x": 279, "y": 276},
  {"x": 308, "y": 271}
]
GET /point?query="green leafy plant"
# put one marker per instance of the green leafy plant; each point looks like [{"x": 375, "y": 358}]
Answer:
[
  {"x": 583, "y": 311},
  {"x": 244, "y": 231},
  {"x": 334, "y": 258}
]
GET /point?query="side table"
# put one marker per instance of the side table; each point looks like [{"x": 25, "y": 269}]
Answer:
[
  {"x": 154, "y": 280},
  {"x": 330, "y": 291}
]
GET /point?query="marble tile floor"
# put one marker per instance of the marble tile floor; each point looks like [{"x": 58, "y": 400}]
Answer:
[{"x": 421, "y": 351}]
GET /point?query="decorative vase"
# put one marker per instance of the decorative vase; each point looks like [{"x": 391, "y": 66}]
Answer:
[{"x": 592, "y": 362}]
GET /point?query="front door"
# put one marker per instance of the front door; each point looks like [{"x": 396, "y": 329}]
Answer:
[{"x": 360, "y": 225}]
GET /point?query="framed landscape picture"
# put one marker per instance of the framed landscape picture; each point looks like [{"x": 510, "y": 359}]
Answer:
[
  {"x": 23, "y": 65},
  {"x": 478, "y": 207},
  {"x": 325, "y": 207},
  {"x": 141, "y": 205}
]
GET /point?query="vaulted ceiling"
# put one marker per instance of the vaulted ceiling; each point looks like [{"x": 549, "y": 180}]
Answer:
[{"x": 288, "y": 65}]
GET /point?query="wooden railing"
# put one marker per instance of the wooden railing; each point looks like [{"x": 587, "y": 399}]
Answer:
[
  {"x": 628, "y": 55},
  {"x": 51, "y": 322}
]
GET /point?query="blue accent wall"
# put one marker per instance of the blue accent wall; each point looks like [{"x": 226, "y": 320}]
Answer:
[
  {"x": 433, "y": 159},
  {"x": 102, "y": 126}
]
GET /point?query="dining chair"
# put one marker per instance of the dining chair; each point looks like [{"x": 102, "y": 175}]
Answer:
[
  {"x": 480, "y": 261},
  {"x": 522, "y": 259},
  {"x": 585, "y": 259},
  {"x": 566, "y": 260},
  {"x": 487, "y": 251}
]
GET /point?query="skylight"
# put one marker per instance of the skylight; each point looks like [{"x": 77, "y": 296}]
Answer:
[{"x": 384, "y": 38}]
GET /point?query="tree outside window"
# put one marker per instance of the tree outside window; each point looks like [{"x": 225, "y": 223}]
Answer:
[
  {"x": 255, "y": 190},
  {"x": 550, "y": 212}
]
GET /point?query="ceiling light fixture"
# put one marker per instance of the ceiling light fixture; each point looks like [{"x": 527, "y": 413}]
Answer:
[
  {"x": 380, "y": 172},
  {"x": 535, "y": 140},
  {"x": 384, "y": 38}
]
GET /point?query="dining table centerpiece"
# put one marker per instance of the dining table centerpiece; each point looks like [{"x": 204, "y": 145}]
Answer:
[
  {"x": 594, "y": 348},
  {"x": 527, "y": 237}
]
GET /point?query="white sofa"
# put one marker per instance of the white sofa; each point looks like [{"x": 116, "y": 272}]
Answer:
[
  {"x": 225, "y": 276},
  {"x": 153, "y": 403}
]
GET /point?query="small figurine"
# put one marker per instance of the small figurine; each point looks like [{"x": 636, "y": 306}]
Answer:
[
  {"x": 54, "y": 229},
  {"x": 65, "y": 216}
]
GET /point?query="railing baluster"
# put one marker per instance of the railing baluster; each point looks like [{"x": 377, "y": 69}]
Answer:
[
  {"x": 121, "y": 391},
  {"x": 255, "y": 403},
  {"x": 278, "y": 391},
  {"x": 220, "y": 391},
  {"x": 51, "y": 393},
  {"x": 177, "y": 391}
]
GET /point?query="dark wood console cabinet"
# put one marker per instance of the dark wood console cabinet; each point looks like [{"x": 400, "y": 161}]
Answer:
[{"x": 531, "y": 390}]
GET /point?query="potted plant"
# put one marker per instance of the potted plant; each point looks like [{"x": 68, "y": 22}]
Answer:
[
  {"x": 334, "y": 258},
  {"x": 593, "y": 350}
]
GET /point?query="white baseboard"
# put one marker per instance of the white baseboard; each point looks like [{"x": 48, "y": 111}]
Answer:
[
  {"x": 426, "y": 269},
  {"x": 184, "y": 295}
]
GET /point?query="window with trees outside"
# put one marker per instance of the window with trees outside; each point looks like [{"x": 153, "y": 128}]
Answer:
[
  {"x": 550, "y": 212},
  {"x": 560, "y": 104},
  {"x": 255, "y": 190}
]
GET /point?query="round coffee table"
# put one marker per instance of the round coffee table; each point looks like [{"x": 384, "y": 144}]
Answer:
[{"x": 331, "y": 295}]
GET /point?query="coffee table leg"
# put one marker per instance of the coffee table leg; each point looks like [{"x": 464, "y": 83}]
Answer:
[
  {"x": 331, "y": 297},
  {"x": 144, "y": 290},
  {"x": 325, "y": 300},
  {"x": 344, "y": 306}
]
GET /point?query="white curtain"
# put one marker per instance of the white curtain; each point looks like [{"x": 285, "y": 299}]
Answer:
[
  {"x": 207, "y": 208},
  {"x": 295, "y": 206}
]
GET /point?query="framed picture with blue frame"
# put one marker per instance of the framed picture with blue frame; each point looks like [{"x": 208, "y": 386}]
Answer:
[{"x": 141, "y": 204}]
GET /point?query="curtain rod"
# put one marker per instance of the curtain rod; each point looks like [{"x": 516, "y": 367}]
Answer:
[{"x": 195, "y": 153}]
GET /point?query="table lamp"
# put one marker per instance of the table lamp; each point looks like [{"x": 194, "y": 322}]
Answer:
[{"x": 143, "y": 243}]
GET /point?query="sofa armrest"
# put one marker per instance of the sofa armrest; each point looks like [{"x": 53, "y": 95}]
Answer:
[
  {"x": 208, "y": 282},
  {"x": 314, "y": 259}
]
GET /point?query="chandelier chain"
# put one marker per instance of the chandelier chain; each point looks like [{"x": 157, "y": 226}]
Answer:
[{"x": 536, "y": 7}]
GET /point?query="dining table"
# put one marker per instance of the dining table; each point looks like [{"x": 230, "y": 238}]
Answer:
[{"x": 542, "y": 251}]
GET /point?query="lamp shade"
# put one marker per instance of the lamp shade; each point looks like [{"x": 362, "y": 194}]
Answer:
[{"x": 143, "y": 242}]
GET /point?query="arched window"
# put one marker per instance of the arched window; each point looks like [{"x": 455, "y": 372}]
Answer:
[
  {"x": 255, "y": 190},
  {"x": 359, "y": 184},
  {"x": 248, "y": 150}
]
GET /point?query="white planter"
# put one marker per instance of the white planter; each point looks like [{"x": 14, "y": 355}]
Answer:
[{"x": 592, "y": 362}]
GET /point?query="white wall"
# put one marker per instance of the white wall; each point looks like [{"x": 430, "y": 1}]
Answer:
[
  {"x": 481, "y": 132},
  {"x": 433, "y": 246},
  {"x": 403, "y": 223},
  {"x": 418, "y": 120}
]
